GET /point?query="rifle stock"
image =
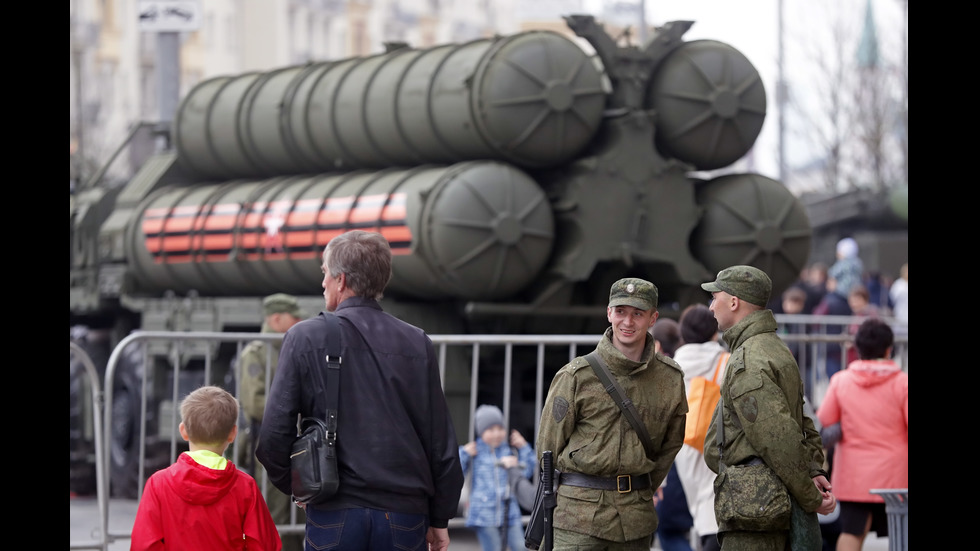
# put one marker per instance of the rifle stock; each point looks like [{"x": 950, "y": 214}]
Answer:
[
  {"x": 549, "y": 498},
  {"x": 539, "y": 533}
]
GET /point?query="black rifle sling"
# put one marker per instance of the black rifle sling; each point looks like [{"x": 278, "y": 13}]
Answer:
[{"x": 618, "y": 396}]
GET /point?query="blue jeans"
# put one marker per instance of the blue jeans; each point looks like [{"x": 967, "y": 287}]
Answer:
[
  {"x": 674, "y": 540},
  {"x": 489, "y": 537},
  {"x": 364, "y": 529}
]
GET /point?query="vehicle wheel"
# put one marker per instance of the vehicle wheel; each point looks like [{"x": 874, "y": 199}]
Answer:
[
  {"x": 124, "y": 437},
  {"x": 81, "y": 435},
  {"x": 81, "y": 468}
]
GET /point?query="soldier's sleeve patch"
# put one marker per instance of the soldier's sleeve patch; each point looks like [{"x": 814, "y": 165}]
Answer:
[
  {"x": 559, "y": 409},
  {"x": 749, "y": 407}
]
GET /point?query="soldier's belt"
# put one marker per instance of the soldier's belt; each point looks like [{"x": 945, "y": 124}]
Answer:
[{"x": 623, "y": 483}]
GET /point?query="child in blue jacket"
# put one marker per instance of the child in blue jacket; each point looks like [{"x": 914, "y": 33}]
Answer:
[{"x": 492, "y": 503}]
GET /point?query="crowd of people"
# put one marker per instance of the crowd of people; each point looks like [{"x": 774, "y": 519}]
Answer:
[
  {"x": 614, "y": 419},
  {"x": 844, "y": 288}
]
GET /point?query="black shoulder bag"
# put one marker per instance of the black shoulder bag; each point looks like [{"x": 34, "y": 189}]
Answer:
[
  {"x": 748, "y": 496},
  {"x": 313, "y": 462}
]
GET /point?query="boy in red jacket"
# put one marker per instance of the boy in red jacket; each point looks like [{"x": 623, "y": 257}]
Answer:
[{"x": 203, "y": 502}]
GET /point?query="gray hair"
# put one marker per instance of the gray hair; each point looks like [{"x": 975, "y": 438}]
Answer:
[{"x": 364, "y": 257}]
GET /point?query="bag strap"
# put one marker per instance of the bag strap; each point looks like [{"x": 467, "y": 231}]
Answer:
[
  {"x": 333, "y": 374},
  {"x": 722, "y": 358},
  {"x": 618, "y": 396},
  {"x": 721, "y": 421}
]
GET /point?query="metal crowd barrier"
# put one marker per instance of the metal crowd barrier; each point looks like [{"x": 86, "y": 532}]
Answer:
[
  {"x": 817, "y": 340},
  {"x": 92, "y": 376},
  {"x": 178, "y": 342},
  {"x": 812, "y": 351},
  {"x": 897, "y": 508}
]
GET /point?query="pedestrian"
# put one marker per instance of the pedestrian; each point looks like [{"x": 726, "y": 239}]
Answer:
[
  {"x": 815, "y": 284},
  {"x": 257, "y": 369},
  {"x": 494, "y": 513},
  {"x": 607, "y": 473},
  {"x": 848, "y": 270},
  {"x": 675, "y": 521},
  {"x": 859, "y": 300},
  {"x": 397, "y": 454},
  {"x": 203, "y": 502},
  {"x": 673, "y": 515},
  {"x": 762, "y": 419},
  {"x": 899, "y": 295},
  {"x": 667, "y": 336},
  {"x": 700, "y": 356},
  {"x": 793, "y": 302},
  {"x": 870, "y": 400}
]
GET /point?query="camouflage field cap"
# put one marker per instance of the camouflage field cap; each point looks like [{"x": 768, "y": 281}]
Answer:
[
  {"x": 745, "y": 282},
  {"x": 631, "y": 291},
  {"x": 281, "y": 303}
]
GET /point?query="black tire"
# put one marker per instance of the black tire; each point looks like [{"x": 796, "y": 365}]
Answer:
[
  {"x": 81, "y": 443},
  {"x": 81, "y": 469},
  {"x": 127, "y": 418}
]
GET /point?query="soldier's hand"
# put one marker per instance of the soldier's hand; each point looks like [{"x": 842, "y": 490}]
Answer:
[
  {"x": 829, "y": 501},
  {"x": 822, "y": 484},
  {"x": 828, "y": 504}
]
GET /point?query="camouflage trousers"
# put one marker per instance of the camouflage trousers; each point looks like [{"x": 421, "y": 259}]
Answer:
[
  {"x": 754, "y": 541},
  {"x": 565, "y": 540}
]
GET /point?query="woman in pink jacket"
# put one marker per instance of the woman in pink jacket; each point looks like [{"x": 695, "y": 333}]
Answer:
[{"x": 870, "y": 400}]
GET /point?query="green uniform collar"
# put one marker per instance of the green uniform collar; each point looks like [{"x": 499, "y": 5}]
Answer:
[
  {"x": 760, "y": 321},
  {"x": 617, "y": 361}
]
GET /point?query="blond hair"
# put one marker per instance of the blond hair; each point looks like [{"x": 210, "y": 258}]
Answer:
[{"x": 209, "y": 414}]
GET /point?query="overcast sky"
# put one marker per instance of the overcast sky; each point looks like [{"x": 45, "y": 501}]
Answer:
[{"x": 752, "y": 26}]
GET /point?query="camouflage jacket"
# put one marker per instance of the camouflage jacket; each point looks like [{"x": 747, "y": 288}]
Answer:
[
  {"x": 251, "y": 368},
  {"x": 587, "y": 432},
  {"x": 762, "y": 395}
]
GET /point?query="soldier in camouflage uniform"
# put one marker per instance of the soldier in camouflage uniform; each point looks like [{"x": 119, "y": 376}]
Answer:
[
  {"x": 762, "y": 409},
  {"x": 607, "y": 480},
  {"x": 281, "y": 312}
]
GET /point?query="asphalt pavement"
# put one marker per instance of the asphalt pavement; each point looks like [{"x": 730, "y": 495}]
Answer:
[{"x": 86, "y": 528}]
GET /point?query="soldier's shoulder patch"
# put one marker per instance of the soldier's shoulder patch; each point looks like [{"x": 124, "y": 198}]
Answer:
[
  {"x": 559, "y": 408},
  {"x": 576, "y": 364},
  {"x": 736, "y": 361},
  {"x": 744, "y": 381},
  {"x": 670, "y": 361}
]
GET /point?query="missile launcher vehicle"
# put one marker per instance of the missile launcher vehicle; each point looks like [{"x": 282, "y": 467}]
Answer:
[{"x": 516, "y": 177}]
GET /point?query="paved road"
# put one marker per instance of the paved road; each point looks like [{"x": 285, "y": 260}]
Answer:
[{"x": 85, "y": 526}]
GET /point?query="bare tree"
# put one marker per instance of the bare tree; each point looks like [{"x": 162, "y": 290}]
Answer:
[{"x": 848, "y": 104}]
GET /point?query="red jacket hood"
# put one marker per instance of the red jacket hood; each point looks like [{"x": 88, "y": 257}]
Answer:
[
  {"x": 868, "y": 373},
  {"x": 200, "y": 485}
]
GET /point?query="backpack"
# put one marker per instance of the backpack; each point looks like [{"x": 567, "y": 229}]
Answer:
[{"x": 701, "y": 401}]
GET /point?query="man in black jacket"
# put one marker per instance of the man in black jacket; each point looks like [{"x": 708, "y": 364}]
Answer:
[{"x": 400, "y": 475}]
